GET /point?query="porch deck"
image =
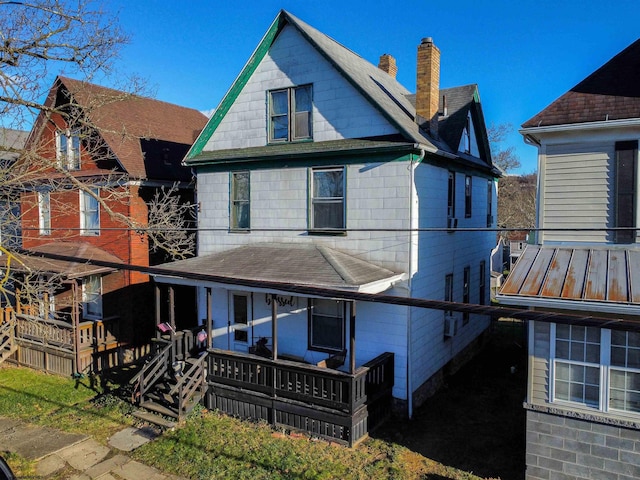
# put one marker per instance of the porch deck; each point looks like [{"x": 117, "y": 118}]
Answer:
[{"x": 328, "y": 403}]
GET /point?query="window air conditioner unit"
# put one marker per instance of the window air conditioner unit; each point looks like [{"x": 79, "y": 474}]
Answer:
[
  {"x": 450, "y": 326},
  {"x": 452, "y": 223}
]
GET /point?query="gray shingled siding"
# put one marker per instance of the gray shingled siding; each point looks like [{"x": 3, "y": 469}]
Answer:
[{"x": 563, "y": 448}]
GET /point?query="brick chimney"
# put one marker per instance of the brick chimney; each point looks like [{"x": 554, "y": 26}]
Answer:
[
  {"x": 388, "y": 64},
  {"x": 428, "y": 86}
]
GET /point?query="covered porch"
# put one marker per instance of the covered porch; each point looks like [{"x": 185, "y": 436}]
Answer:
[
  {"x": 56, "y": 319},
  {"x": 293, "y": 375}
]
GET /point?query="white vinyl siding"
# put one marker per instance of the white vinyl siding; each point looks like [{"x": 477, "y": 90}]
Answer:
[{"x": 583, "y": 191}]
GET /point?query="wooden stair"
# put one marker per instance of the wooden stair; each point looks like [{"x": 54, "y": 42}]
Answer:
[
  {"x": 165, "y": 394},
  {"x": 7, "y": 341}
]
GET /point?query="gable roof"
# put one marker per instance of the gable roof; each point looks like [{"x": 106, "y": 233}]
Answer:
[
  {"x": 298, "y": 264},
  {"x": 575, "y": 277},
  {"x": 610, "y": 93},
  {"x": 125, "y": 122},
  {"x": 382, "y": 91}
]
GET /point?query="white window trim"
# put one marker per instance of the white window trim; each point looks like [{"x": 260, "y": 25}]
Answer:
[
  {"x": 343, "y": 199},
  {"x": 84, "y": 230},
  {"x": 69, "y": 160},
  {"x": 44, "y": 207},
  {"x": 605, "y": 368},
  {"x": 97, "y": 304}
]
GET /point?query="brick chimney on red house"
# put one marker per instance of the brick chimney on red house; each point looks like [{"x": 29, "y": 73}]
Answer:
[
  {"x": 388, "y": 64},
  {"x": 428, "y": 85}
]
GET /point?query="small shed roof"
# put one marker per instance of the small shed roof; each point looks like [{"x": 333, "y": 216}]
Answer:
[
  {"x": 604, "y": 275},
  {"x": 30, "y": 261}
]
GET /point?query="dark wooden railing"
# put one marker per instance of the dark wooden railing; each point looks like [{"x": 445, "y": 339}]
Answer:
[
  {"x": 152, "y": 372},
  {"x": 191, "y": 383},
  {"x": 322, "y": 401}
]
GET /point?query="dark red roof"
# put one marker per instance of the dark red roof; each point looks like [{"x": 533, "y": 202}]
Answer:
[
  {"x": 610, "y": 93},
  {"x": 125, "y": 121}
]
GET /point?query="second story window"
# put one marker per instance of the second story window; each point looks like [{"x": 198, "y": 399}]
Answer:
[
  {"x": 625, "y": 188},
  {"x": 467, "y": 195},
  {"x": 451, "y": 196},
  {"x": 44, "y": 212},
  {"x": 68, "y": 149},
  {"x": 240, "y": 204},
  {"x": 327, "y": 198},
  {"x": 290, "y": 116},
  {"x": 89, "y": 212}
]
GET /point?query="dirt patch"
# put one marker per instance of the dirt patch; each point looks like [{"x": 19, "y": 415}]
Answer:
[{"x": 476, "y": 422}]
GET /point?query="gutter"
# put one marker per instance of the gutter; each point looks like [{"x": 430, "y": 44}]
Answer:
[
  {"x": 559, "y": 304},
  {"x": 530, "y": 132}
]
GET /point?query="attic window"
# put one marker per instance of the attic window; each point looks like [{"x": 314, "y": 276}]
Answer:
[
  {"x": 290, "y": 114},
  {"x": 465, "y": 141},
  {"x": 68, "y": 149}
]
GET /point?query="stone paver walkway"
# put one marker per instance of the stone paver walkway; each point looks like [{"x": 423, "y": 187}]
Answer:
[{"x": 54, "y": 450}]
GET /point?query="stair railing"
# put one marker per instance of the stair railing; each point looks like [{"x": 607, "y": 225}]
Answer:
[
  {"x": 6, "y": 338},
  {"x": 191, "y": 381},
  {"x": 151, "y": 372}
]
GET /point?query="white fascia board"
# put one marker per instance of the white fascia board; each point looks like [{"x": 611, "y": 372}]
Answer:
[
  {"x": 626, "y": 122},
  {"x": 558, "y": 304}
]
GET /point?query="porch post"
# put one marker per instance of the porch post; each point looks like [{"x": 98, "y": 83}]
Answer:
[
  {"x": 75, "y": 319},
  {"x": 156, "y": 294},
  {"x": 172, "y": 308},
  {"x": 172, "y": 321},
  {"x": 274, "y": 326},
  {"x": 352, "y": 338},
  {"x": 209, "y": 319}
]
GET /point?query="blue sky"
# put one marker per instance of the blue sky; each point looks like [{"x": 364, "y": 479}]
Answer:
[{"x": 522, "y": 54}]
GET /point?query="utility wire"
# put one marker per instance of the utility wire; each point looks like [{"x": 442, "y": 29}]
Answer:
[{"x": 494, "y": 311}]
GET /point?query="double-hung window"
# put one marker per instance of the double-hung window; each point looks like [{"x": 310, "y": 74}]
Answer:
[
  {"x": 290, "y": 114},
  {"x": 481, "y": 289},
  {"x": 92, "y": 297},
  {"x": 451, "y": 195},
  {"x": 44, "y": 212},
  {"x": 577, "y": 364},
  {"x": 240, "y": 202},
  {"x": 68, "y": 149},
  {"x": 90, "y": 212},
  {"x": 327, "y": 198},
  {"x": 326, "y": 325},
  {"x": 468, "y": 187},
  {"x": 596, "y": 368}
]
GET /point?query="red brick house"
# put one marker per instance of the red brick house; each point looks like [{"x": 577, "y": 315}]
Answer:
[{"x": 94, "y": 161}]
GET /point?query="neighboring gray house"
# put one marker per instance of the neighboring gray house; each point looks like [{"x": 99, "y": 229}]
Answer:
[
  {"x": 316, "y": 171},
  {"x": 583, "y": 395}
]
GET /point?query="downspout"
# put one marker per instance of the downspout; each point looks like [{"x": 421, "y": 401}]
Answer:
[{"x": 409, "y": 282}]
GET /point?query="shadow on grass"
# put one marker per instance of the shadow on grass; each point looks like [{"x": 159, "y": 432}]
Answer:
[{"x": 476, "y": 421}]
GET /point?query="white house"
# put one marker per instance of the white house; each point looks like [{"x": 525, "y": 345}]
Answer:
[
  {"x": 583, "y": 396},
  {"x": 319, "y": 171}
]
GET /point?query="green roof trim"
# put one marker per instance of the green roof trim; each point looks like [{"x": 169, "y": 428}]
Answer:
[{"x": 237, "y": 86}]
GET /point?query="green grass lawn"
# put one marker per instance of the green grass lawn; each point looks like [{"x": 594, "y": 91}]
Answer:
[{"x": 208, "y": 444}]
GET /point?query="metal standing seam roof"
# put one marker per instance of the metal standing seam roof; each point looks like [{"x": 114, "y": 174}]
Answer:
[
  {"x": 299, "y": 264},
  {"x": 609, "y": 275}
]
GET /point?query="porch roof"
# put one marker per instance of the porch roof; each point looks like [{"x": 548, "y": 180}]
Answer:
[
  {"x": 30, "y": 261},
  {"x": 598, "y": 278},
  {"x": 297, "y": 264}
]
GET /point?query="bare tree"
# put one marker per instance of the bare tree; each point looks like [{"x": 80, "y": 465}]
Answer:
[
  {"x": 505, "y": 158},
  {"x": 39, "y": 40},
  {"x": 517, "y": 202}
]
